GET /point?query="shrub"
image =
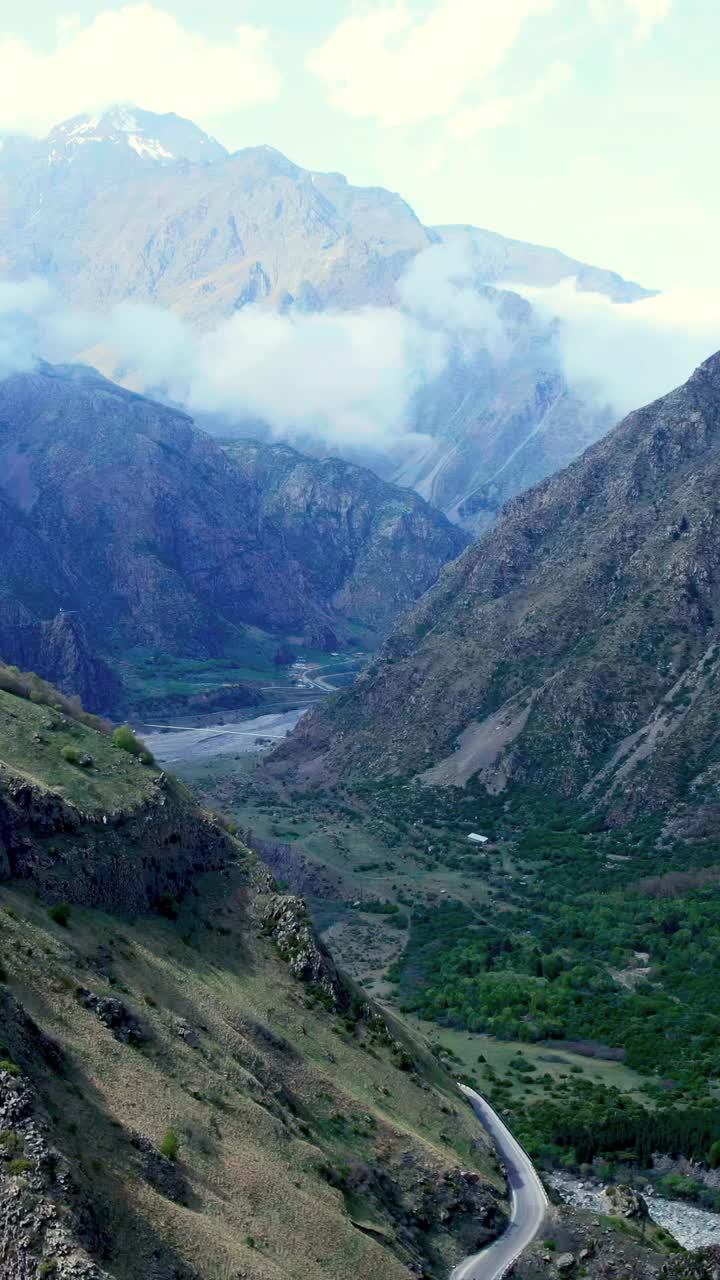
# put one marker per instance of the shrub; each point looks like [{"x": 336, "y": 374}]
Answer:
[
  {"x": 167, "y": 905},
  {"x": 124, "y": 738},
  {"x": 147, "y": 758},
  {"x": 170, "y": 1145},
  {"x": 11, "y": 1067},
  {"x": 60, "y": 914},
  {"x": 21, "y": 1165},
  {"x": 79, "y": 758}
]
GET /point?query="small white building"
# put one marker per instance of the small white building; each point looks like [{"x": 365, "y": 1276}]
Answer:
[{"x": 475, "y": 838}]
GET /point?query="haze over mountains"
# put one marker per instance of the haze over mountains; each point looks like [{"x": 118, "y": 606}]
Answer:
[
  {"x": 133, "y": 207},
  {"x": 575, "y": 647}
]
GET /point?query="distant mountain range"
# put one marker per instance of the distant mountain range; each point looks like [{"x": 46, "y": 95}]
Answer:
[
  {"x": 123, "y": 525},
  {"x": 132, "y": 205},
  {"x": 575, "y": 648}
]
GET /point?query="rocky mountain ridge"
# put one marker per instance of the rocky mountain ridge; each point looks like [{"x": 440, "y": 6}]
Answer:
[{"x": 574, "y": 648}]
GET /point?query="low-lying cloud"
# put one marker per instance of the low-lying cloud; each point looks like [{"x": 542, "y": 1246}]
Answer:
[
  {"x": 628, "y": 354},
  {"x": 351, "y": 379},
  {"x": 343, "y": 377}
]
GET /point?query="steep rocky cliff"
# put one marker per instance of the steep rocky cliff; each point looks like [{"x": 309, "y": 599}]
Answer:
[
  {"x": 575, "y": 647},
  {"x": 367, "y": 548},
  {"x": 125, "y": 525}
]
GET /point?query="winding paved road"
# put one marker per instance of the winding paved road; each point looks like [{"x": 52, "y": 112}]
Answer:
[{"x": 528, "y": 1200}]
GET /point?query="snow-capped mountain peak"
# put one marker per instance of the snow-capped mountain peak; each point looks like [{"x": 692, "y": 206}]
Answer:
[{"x": 154, "y": 139}]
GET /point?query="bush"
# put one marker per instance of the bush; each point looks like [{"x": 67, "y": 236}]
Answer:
[
  {"x": 11, "y": 1067},
  {"x": 79, "y": 758},
  {"x": 124, "y": 738},
  {"x": 20, "y": 1165},
  {"x": 147, "y": 758},
  {"x": 167, "y": 905},
  {"x": 60, "y": 914},
  {"x": 170, "y": 1145}
]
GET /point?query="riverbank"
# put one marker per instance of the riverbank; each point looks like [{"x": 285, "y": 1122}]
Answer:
[{"x": 692, "y": 1227}]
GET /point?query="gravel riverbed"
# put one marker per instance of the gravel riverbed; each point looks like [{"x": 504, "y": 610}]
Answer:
[{"x": 692, "y": 1227}]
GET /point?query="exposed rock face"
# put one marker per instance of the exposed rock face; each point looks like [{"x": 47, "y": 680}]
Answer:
[
  {"x": 575, "y": 646},
  {"x": 162, "y": 1173},
  {"x": 115, "y": 861},
  {"x": 286, "y": 921},
  {"x": 366, "y": 547},
  {"x": 45, "y": 1222},
  {"x": 60, "y": 649},
  {"x": 113, "y": 1014},
  {"x": 142, "y": 530}
]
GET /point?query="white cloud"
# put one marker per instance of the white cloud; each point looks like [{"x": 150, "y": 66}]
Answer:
[
  {"x": 400, "y": 67},
  {"x": 348, "y": 378},
  {"x": 628, "y": 355},
  {"x": 137, "y": 53},
  {"x": 647, "y": 14},
  {"x": 21, "y": 307},
  {"x": 343, "y": 377},
  {"x": 439, "y": 289},
  {"x": 469, "y": 121}
]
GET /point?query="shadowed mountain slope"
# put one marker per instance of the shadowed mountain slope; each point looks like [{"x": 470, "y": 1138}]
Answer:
[{"x": 134, "y": 528}]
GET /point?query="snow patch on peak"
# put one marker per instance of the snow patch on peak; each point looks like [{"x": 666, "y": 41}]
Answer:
[
  {"x": 155, "y": 139},
  {"x": 149, "y": 147}
]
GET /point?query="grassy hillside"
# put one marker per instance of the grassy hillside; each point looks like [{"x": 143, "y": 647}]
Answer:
[
  {"x": 33, "y": 738},
  {"x": 304, "y": 1136}
]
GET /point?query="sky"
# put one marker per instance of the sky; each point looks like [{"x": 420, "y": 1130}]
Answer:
[{"x": 589, "y": 125}]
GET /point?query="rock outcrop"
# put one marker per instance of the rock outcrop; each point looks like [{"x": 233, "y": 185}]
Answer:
[
  {"x": 47, "y": 1224},
  {"x": 118, "y": 861},
  {"x": 285, "y": 919}
]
